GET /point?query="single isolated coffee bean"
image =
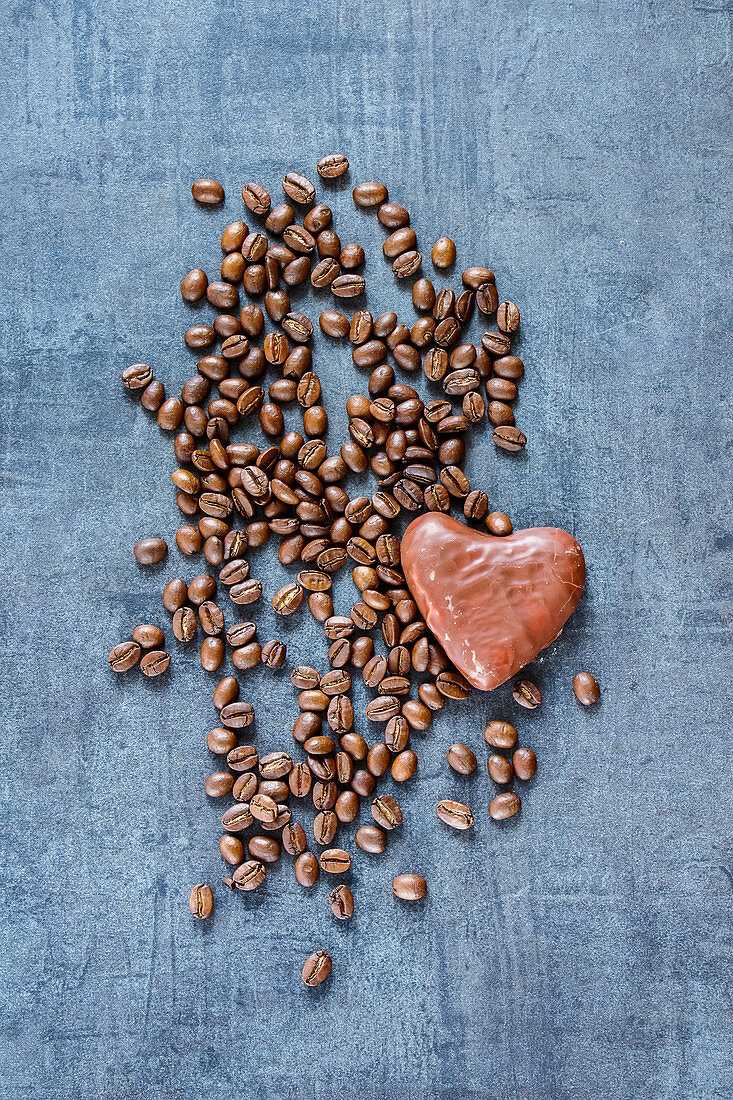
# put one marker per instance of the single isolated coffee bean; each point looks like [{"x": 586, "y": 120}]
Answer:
[
  {"x": 585, "y": 687},
  {"x": 341, "y": 902},
  {"x": 444, "y": 252},
  {"x": 201, "y": 901},
  {"x": 500, "y": 735},
  {"x": 332, "y": 166},
  {"x": 505, "y": 805},
  {"x": 461, "y": 759},
  {"x": 455, "y": 814},
  {"x": 316, "y": 969},
  {"x": 410, "y": 887},
  {"x": 150, "y": 551},
  {"x": 207, "y": 192}
]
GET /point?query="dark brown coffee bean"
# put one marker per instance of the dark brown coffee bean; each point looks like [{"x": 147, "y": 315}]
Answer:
[
  {"x": 263, "y": 808},
  {"x": 505, "y": 805},
  {"x": 201, "y": 901},
  {"x": 476, "y": 504},
  {"x": 304, "y": 677},
  {"x": 307, "y": 869},
  {"x": 455, "y": 481},
  {"x": 407, "y": 264},
  {"x": 498, "y": 523},
  {"x": 527, "y": 694},
  {"x": 334, "y": 323},
  {"x": 443, "y": 253},
  {"x": 124, "y": 656},
  {"x": 351, "y": 257},
  {"x": 185, "y": 624},
  {"x": 222, "y": 295},
  {"x": 404, "y": 766},
  {"x": 401, "y": 240},
  {"x": 332, "y": 166},
  {"x": 297, "y": 271},
  {"x": 496, "y": 344},
  {"x": 586, "y": 688},
  {"x": 153, "y": 396},
  {"x": 237, "y": 716},
  {"x": 148, "y": 636},
  {"x": 328, "y": 244},
  {"x": 264, "y": 848},
  {"x": 288, "y": 599},
  {"x": 207, "y": 192},
  {"x": 455, "y": 814},
  {"x": 274, "y": 765},
  {"x": 369, "y": 194},
  {"x": 436, "y": 498},
  {"x": 500, "y": 413},
  {"x": 194, "y": 285},
  {"x": 294, "y": 839},
  {"x": 487, "y": 298},
  {"x": 462, "y": 759},
  {"x": 297, "y": 238},
  {"x": 150, "y": 551},
  {"x": 435, "y": 364},
  {"x": 211, "y": 618},
  {"x": 323, "y": 274},
  {"x": 525, "y": 763},
  {"x": 370, "y": 838},
  {"x": 256, "y": 198},
  {"x": 348, "y": 286},
  {"x": 509, "y": 438},
  {"x": 316, "y": 969},
  {"x": 226, "y": 691},
  {"x": 273, "y": 654},
  {"x": 218, "y": 784},
  {"x": 500, "y": 735},
  {"x": 298, "y": 188},
  {"x": 410, "y": 887},
  {"x": 341, "y": 902},
  {"x": 474, "y": 407},
  {"x": 423, "y": 294},
  {"x": 447, "y": 332},
  {"x": 199, "y": 336}
]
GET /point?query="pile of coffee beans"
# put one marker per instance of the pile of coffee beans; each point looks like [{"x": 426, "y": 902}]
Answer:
[{"x": 236, "y": 496}]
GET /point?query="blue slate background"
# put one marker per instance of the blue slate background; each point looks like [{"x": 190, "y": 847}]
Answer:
[{"x": 580, "y": 148}]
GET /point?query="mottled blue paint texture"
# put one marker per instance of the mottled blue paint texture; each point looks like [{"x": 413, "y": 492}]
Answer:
[{"x": 581, "y": 149}]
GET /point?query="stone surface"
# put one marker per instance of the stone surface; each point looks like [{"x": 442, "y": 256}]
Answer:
[
  {"x": 578, "y": 147},
  {"x": 493, "y": 603}
]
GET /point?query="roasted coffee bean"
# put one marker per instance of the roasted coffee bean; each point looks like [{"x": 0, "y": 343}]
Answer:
[
  {"x": 237, "y": 716},
  {"x": 275, "y": 764},
  {"x": 194, "y": 285},
  {"x": 207, "y": 192},
  {"x": 341, "y": 902},
  {"x": 273, "y": 654},
  {"x": 498, "y": 523},
  {"x": 410, "y": 887},
  {"x": 464, "y": 306},
  {"x": 300, "y": 780},
  {"x": 307, "y": 869},
  {"x": 256, "y": 198},
  {"x": 369, "y": 194},
  {"x": 509, "y": 367},
  {"x": 226, "y": 691},
  {"x": 496, "y": 343},
  {"x": 474, "y": 407},
  {"x": 313, "y": 700},
  {"x": 211, "y": 618},
  {"x": 525, "y": 763},
  {"x": 526, "y": 694},
  {"x": 455, "y": 481},
  {"x": 153, "y": 396},
  {"x": 386, "y": 812},
  {"x": 263, "y": 808},
  {"x": 435, "y": 364},
  {"x": 335, "y": 861},
  {"x": 500, "y": 735},
  {"x": 320, "y": 605},
  {"x": 340, "y": 714},
  {"x": 476, "y": 504},
  {"x": 298, "y": 327},
  {"x": 370, "y": 838},
  {"x": 297, "y": 271},
  {"x": 174, "y": 594},
  {"x": 154, "y": 662},
  {"x": 237, "y": 818},
  {"x": 218, "y": 784},
  {"x": 453, "y": 685},
  {"x": 232, "y": 849},
  {"x": 328, "y": 243},
  {"x": 264, "y": 848},
  {"x": 222, "y": 295},
  {"x": 242, "y": 758},
  {"x": 487, "y": 298},
  {"x": 509, "y": 438},
  {"x": 507, "y": 317},
  {"x": 500, "y": 769},
  {"x": 198, "y": 336},
  {"x": 288, "y": 599},
  {"x": 249, "y": 875},
  {"x": 298, "y": 188},
  {"x": 407, "y": 264},
  {"x": 401, "y": 240},
  {"x": 247, "y": 592},
  {"x": 454, "y": 814},
  {"x": 201, "y": 901},
  {"x": 124, "y": 656},
  {"x": 137, "y": 376},
  {"x": 505, "y": 805},
  {"x": 423, "y": 294},
  {"x": 316, "y": 969},
  {"x": 304, "y": 677},
  {"x": 363, "y": 782},
  {"x": 351, "y": 257},
  {"x": 324, "y": 794},
  {"x": 240, "y": 634},
  {"x": 347, "y": 806},
  {"x": 294, "y": 839},
  {"x": 148, "y": 636},
  {"x": 460, "y": 382},
  {"x": 447, "y": 332},
  {"x": 586, "y": 688},
  {"x": 378, "y": 759},
  {"x": 279, "y": 218},
  {"x": 437, "y": 498},
  {"x": 325, "y": 825},
  {"x": 334, "y": 323},
  {"x": 444, "y": 252},
  {"x": 462, "y": 759},
  {"x": 332, "y": 166},
  {"x": 348, "y": 286},
  {"x": 500, "y": 413},
  {"x": 150, "y": 551},
  {"x": 185, "y": 624},
  {"x": 404, "y": 766}
]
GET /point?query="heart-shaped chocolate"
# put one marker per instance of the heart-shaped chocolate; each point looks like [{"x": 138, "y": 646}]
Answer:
[{"x": 492, "y": 603}]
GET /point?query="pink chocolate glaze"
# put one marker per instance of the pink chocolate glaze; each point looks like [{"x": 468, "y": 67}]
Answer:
[{"x": 492, "y": 603}]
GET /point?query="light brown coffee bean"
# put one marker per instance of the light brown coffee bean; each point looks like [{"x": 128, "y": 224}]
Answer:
[
  {"x": 455, "y": 814},
  {"x": 410, "y": 887},
  {"x": 500, "y": 734},
  {"x": 585, "y": 687},
  {"x": 207, "y": 192},
  {"x": 124, "y": 656},
  {"x": 316, "y": 969},
  {"x": 525, "y": 763},
  {"x": 201, "y": 901},
  {"x": 505, "y": 805},
  {"x": 462, "y": 759}
]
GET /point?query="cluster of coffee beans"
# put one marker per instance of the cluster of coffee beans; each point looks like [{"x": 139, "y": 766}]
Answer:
[{"x": 236, "y": 496}]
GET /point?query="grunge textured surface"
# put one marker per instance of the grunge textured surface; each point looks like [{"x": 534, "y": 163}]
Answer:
[{"x": 579, "y": 147}]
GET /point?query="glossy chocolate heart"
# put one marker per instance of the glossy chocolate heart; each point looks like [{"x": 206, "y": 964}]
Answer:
[{"x": 492, "y": 603}]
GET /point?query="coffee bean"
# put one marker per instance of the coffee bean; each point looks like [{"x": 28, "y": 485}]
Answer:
[
  {"x": 263, "y": 808},
  {"x": 256, "y": 198},
  {"x": 476, "y": 504},
  {"x": 525, "y": 763},
  {"x": 325, "y": 825},
  {"x": 242, "y": 758},
  {"x": 153, "y": 396},
  {"x": 454, "y": 814},
  {"x": 334, "y": 323},
  {"x": 500, "y": 413},
  {"x": 218, "y": 784},
  {"x": 148, "y": 636},
  {"x": 332, "y": 166},
  {"x": 341, "y": 902},
  {"x": 453, "y": 685},
  {"x": 137, "y": 376},
  {"x": 509, "y": 438},
  {"x": 348, "y": 286},
  {"x": 316, "y": 969},
  {"x": 288, "y": 599},
  {"x": 194, "y": 285},
  {"x": 444, "y": 252},
  {"x": 335, "y": 861},
  {"x": 423, "y": 294},
  {"x": 237, "y": 818},
  {"x": 407, "y": 264},
  {"x": 370, "y": 838},
  {"x": 462, "y": 759},
  {"x": 246, "y": 593},
  {"x": 155, "y": 662},
  {"x": 369, "y": 194},
  {"x": 410, "y": 887},
  {"x": 527, "y": 694},
  {"x": 507, "y": 317},
  {"x": 307, "y": 869},
  {"x": 505, "y": 805},
  {"x": 264, "y": 848},
  {"x": 455, "y": 481},
  {"x": 586, "y": 688},
  {"x": 299, "y": 189},
  {"x": 386, "y": 812},
  {"x": 404, "y": 766},
  {"x": 201, "y": 901},
  {"x": 496, "y": 343},
  {"x": 509, "y": 367},
  {"x": 237, "y": 716},
  {"x": 500, "y": 769},
  {"x": 401, "y": 240},
  {"x": 294, "y": 839},
  {"x": 500, "y": 735},
  {"x": 324, "y": 274},
  {"x": 249, "y": 875},
  {"x": 498, "y": 523},
  {"x": 273, "y": 654},
  {"x": 232, "y": 849},
  {"x": 351, "y": 257},
  {"x": 124, "y": 656},
  {"x": 436, "y": 498},
  {"x": 275, "y": 764},
  {"x": 150, "y": 551},
  {"x": 207, "y": 192}
]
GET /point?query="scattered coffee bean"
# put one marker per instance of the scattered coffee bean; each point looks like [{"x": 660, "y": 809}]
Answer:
[
  {"x": 207, "y": 192},
  {"x": 410, "y": 887},
  {"x": 317, "y": 968},
  {"x": 332, "y": 166},
  {"x": 586, "y": 688},
  {"x": 462, "y": 759},
  {"x": 341, "y": 902},
  {"x": 454, "y": 814},
  {"x": 525, "y": 763},
  {"x": 500, "y": 769},
  {"x": 201, "y": 901},
  {"x": 124, "y": 656},
  {"x": 150, "y": 551},
  {"x": 527, "y": 694},
  {"x": 505, "y": 805}
]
